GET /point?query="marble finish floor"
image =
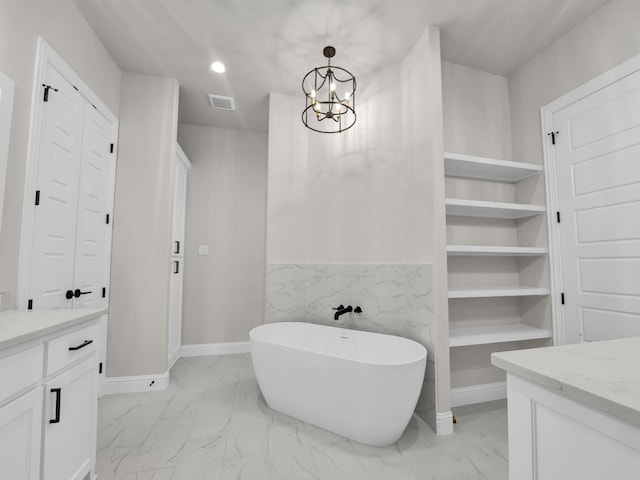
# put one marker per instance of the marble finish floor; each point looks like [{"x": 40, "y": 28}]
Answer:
[{"x": 212, "y": 423}]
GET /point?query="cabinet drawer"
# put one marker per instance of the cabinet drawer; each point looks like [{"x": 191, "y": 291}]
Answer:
[
  {"x": 20, "y": 370},
  {"x": 68, "y": 348}
]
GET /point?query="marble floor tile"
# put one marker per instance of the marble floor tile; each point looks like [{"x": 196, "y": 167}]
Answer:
[
  {"x": 290, "y": 456},
  {"x": 213, "y": 423},
  {"x": 338, "y": 461},
  {"x": 201, "y": 459},
  {"x": 247, "y": 468}
]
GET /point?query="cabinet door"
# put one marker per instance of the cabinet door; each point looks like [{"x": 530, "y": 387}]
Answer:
[
  {"x": 175, "y": 309},
  {"x": 20, "y": 427},
  {"x": 70, "y": 423}
]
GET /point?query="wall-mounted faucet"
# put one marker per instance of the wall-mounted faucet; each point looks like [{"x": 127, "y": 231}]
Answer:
[{"x": 342, "y": 310}]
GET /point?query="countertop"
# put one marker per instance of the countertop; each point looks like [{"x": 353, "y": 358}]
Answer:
[
  {"x": 17, "y": 326},
  {"x": 604, "y": 375}
]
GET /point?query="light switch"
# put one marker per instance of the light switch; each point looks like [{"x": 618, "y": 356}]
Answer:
[{"x": 203, "y": 249}]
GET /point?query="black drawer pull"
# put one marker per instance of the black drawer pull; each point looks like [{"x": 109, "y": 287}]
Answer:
[
  {"x": 58, "y": 392},
  {"x": 177, "y": 245},
  {"x": 82, "y": 345},
  {"x": 176, "y": 268}
]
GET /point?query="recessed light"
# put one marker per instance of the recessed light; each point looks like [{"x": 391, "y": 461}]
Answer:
[{"x": 218, "y": 67}]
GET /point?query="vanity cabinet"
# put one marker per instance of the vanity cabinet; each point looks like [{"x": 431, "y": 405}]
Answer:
[{"x": 48, "y": 396}]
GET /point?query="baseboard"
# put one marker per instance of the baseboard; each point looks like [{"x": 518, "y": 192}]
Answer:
[
  {"x": 134, "y": 384},
  {"x": 478, "y": 393},
  {"x": 205, "y": 349},
  {"x": 444, "y": 423}
]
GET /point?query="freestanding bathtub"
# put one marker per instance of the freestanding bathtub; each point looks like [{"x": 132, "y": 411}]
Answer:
[{"x": 361, "y": 385}]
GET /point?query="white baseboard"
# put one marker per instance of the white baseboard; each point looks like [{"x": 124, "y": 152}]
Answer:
[
  {"x": 444, "y": 423},
  {"x": 134, "y": 384},
  {"x": 205, "y": 349},
  {"x": 478, "y": 393}
]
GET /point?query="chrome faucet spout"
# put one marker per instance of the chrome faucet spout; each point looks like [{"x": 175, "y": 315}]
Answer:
[{"x": 342, "y": 311}]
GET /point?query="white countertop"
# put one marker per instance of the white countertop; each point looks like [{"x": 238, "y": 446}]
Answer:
[
  {"x": 604, "y": 375},
  {"x": 17, "y": 326}
]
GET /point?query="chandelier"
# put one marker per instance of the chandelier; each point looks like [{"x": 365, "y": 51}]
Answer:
[{"x": 330, "y": 97}]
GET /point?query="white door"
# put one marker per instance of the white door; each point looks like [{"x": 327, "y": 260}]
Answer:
[
  {"x": 69, "y": 251},
  {"x": 91, "y": 253},
  {"x": 56, "y": 197},
  {"x": 597, "y": 156},
  {"x": 20, "y": 427}
]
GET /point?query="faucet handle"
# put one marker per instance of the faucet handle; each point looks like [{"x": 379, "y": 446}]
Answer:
[{"x": 339, "y": 307}]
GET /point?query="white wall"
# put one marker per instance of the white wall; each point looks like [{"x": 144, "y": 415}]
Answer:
[
  {"x": 64, "y": 28},
  {"x": 142, "y": 235},
  {"x": 476, "y": 112},
  {"x": 373, "y": 194},
  {"x": 226, "y": 210},
  {"x": 604, "y": 40}
]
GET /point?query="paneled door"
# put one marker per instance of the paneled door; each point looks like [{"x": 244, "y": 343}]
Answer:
[
  {"x": 56, "y": 197},
  {"x": 69, "y": 252},
  {"x": 597, "y": 155}
]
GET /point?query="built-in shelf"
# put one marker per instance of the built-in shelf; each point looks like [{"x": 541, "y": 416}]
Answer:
[
  {"x": 497, "y": 292},
  {"x": 477, "y": 208},
  {"x": 491, "y": 251},
  {"x": 468, "y": 166},
  {"x": 460, "y": 337}
]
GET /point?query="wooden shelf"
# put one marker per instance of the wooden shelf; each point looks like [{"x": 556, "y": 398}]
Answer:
[
  {"x": 468, "y": 166},
  {"x": 497, "y": 292},
  {"x": 460, "y": 337},
  {"x": 476, "y": 208},
  {"x": 491, "y": 251}
]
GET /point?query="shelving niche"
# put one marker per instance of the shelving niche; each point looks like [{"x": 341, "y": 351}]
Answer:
[{"x": 487, "y": 262}]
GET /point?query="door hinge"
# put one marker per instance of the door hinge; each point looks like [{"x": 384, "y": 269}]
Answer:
[
  {"x": 30, "y": 304},
  {"x": 108, "y": 219},
  {"x": 37, "y": 197},
  {"x": 111, "y": 148},
  {"x": 558, "y": 216},
  {"x": 100, "y": 368},
  {"x": 45, "y": 98},
  {"x": 553, "y": 137},
  {"x": 562, "y": 298},
  {"x": 104, "y": 292}
]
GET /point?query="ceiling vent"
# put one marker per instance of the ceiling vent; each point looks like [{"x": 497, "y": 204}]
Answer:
[{"x": 221, "y": 103}]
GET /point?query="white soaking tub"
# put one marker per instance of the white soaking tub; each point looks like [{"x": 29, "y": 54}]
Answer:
[{"x": 361, "y": 385}]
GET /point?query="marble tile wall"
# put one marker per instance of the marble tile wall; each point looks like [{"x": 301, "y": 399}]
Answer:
[{"x": 395, "y": 299}]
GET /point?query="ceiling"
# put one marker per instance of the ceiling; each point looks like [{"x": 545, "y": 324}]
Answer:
[{"x": 269, "y": 45}]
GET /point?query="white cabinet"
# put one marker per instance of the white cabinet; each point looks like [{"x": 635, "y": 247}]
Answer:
[
  {"x": 20, "y": 427},
  {"x": 487, "y": 254},
  {"x": 70, "y": 423},
  {"x": 177, "y": 257},
  {"x": 48, "y": 402}
]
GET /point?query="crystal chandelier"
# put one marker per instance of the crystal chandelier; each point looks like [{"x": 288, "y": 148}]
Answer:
[{"x": 330, "y": 97}]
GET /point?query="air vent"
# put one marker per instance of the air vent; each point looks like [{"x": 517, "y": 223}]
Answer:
[{"x": 221, "y": 103}]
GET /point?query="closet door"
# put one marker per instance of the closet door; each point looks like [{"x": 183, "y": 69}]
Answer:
[
  {"x": 56, "y": 197},
  {"x": 69, "y": 252},
  {"x": 91, "y": 255}
]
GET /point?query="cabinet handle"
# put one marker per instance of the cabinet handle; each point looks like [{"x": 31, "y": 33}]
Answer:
[
  {"x": 82, "y": 345},
  {"x": 77, "y": 293},
  {"x": 69, "y": 294},
  {"x": 177, "y": 242},
  {"x": 176, "y": 264},
  {"x": 58, "y": 392}
]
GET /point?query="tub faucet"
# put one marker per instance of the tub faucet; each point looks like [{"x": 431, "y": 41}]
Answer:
[{"x": 342, "y": 310}]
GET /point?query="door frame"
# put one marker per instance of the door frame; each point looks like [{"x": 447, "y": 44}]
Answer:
[
  {"x": 45, "y": 56},
  {"x": 7, "y": 89},
  {"x": 600, "y": 82}
]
